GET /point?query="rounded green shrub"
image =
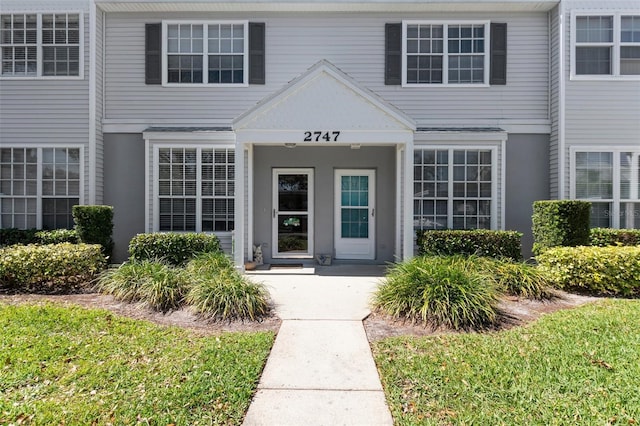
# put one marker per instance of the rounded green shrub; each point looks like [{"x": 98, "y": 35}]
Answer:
[
  {"x": 50, "y": 268},
  {"x": 218, "y": 291},
  {"x": 173, "y": 248},
  {"x": 441, "y": 291},
  {"x": 560, "y": 223},
  {"x": 602, "y": 237},
  {"x": 610, "y": 270},
  {"x": 56, "y": 236},
  {"x": 94, "y": 225},
  {"x": 159, "y": 286}
]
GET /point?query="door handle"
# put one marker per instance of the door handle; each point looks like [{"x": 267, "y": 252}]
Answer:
[
  {"x": 373, "y": 212},
  {"x": 274, "y": 213}
]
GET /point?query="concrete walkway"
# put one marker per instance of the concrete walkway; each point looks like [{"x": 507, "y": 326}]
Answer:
[{"x": 320, "y": 370}]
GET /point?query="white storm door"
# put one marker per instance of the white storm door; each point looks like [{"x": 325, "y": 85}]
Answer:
[
  {"x": 292, "y": 214},
  {"x": 355, "y": 214}
]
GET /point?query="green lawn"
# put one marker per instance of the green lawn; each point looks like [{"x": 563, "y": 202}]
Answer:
[
  {"x": 579, "y": 366},
  {"x": 73, "y": 366}
]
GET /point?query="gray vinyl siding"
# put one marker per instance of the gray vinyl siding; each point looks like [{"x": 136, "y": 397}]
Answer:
[
  {"x": 99, "y": 109},
  {"x": 352, "y": 42},
  {"x": 603, "y": 112},
  {"x": 554, "y": 104},
  {"x": 48, "y": 111}
]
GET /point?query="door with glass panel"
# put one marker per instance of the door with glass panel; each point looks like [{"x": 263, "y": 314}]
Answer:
[
  {"x": 292, "y": 213},
  {"x": 355, "y": 214}
]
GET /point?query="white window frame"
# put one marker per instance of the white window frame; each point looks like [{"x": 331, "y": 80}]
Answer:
[
  {"x": 497, "y": 151},
  {"x": 445, "y": 52},
  {"x": 615, "y": 46},
  {"x": 155, "y": 190},
  {"x": 616, "y": 200},
  {"x": 40, "y": 45},
  {"x": 40, "y": 196},
  {"x": 205, "y": 53}
]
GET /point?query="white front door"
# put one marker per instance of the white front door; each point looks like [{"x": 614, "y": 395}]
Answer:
[
  {"x": 292, "y": 213},
  {"x": 355, "y": 214}
]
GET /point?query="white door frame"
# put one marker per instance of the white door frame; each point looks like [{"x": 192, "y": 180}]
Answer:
[
  {"x": 364, "y": 249},
  {"x": 310, "y": 210}
]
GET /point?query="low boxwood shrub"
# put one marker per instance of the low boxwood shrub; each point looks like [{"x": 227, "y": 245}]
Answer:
[
  {"x": 174, "y": 249},
  {"x": 50, "y": 268},
  {"x": 94, "y": 225},
  {"x": 11, "y": 236},
  {"x": 159, "y": 286},
  {"x": 441, "y": 291},
  {"x": 480, "y": 242},
  {"x": 218, "y": 291},
  {"x": 56, "y": 236},
  {"x": 560, "y": 223},
  {"x": 600, "y": 270},
  {"x": 601, "y": 237}
]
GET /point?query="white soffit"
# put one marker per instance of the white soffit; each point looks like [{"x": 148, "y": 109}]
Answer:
[
  {"x": 328, "y": 6},
  {"x": 324, "y": 98}
]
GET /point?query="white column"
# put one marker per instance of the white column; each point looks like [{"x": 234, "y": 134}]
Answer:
[
  {"x": 399, "y": 219},
  {"x": 238, "y": 247},
  {"x": 407, "y": 250}
]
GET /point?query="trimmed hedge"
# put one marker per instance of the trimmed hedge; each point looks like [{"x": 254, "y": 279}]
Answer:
[
  {"x": 94, "y": 225},
  {"x": 57, "y": 236},
  {"x": 480, "y": 242},
  {"x": 560, "y": 223},
  {"x": 600, "y": 270},
  {"x": 11, "y": 236},
  {"x": 602, "y": 237},
  {"x": 50, "y": 268},
  {"x": 172, "y": 248}
]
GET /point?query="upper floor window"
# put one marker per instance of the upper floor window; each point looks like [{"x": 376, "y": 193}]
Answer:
[
  {"x": 205, "y": 53},
  {"x": 41, "y": 45},
  {"x": 606, "y": 45},
  {"x": 437, "y": 53}
]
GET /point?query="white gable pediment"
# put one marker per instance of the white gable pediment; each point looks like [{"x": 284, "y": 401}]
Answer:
[{"x": 324, "y": 99}]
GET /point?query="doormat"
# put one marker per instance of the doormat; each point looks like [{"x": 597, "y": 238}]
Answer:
[{"x": 287, "y": 266}]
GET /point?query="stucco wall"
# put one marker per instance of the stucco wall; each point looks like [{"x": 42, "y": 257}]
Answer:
[{"x": 124, "y": 188}]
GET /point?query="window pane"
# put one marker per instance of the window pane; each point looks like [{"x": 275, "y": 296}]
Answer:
[
  {"x": 593, "y": 60},
  {"x": 630, "y": 175},
  {"x": 630, "y": 60},
  {"x": 630, "y": 29},
  {"x": 594, "y": 175},
  {"x": 594, "y": 29}
]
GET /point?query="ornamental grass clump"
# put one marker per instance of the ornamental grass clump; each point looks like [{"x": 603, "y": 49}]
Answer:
[
  {"x": 517, "y": 278},
  {"x": 218, "y": 291},
  {"x": 441, "y": 291},
  {"x": 160, "y": 286}
]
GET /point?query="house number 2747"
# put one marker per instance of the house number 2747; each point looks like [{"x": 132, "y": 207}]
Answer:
[{"x": 321, "y": 136}]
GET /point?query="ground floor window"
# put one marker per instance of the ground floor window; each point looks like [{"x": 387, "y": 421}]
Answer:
[
  {"x": 610, "y": 180},
  {"x": 38, "y": 187},
  {"x": 195, "y": 189},
  {"x": 453, "y": 188}
]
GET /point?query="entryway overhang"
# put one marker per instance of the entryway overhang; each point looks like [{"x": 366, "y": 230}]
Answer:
[{"x": 322, "y": 107}]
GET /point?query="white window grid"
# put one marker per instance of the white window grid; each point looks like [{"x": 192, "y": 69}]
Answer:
[
  {"x": 616, "y": 203},
  {"x": 455, "y": 187},
  {"x": 216, "y": 52},
  {"x": 622, "y": 54},
  {"x": 42, "y": 45},
  {"x": 445, "y": 53},
  {"x": 35, "y": 195},
  {"x": 194, "y": 189}
]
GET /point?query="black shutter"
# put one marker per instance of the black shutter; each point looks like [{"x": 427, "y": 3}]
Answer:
[
  {"x": 393, "y": 54},
  {"x": 498, "y": 54},
  {"x": 256, "y": 53},
  {"x": 153, "y": 54}
]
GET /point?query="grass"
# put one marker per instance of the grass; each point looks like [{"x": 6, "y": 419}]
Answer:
[
  {"x": 69, "y": 365},
  {"x": 571, "y": 367},
  {"x": 440, "y": 290}
]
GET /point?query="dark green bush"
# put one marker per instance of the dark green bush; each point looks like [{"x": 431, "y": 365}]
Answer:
[
  {"x": 94, "y": 225},
  {"x": 11, "y": 236},
  {"x": 480, "y": 242},
  {"x": 218, "y": 291},
  {"x": 174, "y": 249},
  {"x": 441, "y": 291},
  {"x": 560, "y": 223},
  {"x": 56, "y": 236},
  {"x": 50, "y": 268},
  {"x": 159, "y": 286},
  {"x": 601, "y": 237},
  {"x": 600, "y": 270}
]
